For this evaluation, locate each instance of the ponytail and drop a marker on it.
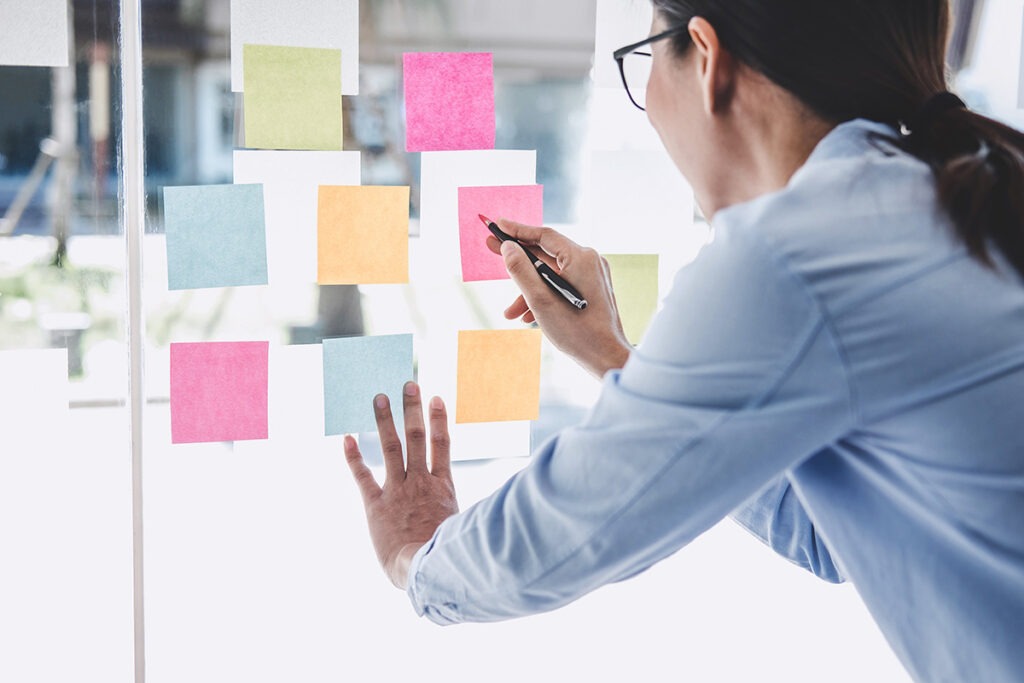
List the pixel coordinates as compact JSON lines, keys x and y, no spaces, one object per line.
{"x":979,"y":172}
{"x":884,"y":61}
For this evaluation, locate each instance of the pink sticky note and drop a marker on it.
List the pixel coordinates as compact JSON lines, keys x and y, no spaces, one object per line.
{"x":522,"y":203}
{"x":449,"y":101}
{"x":219,"y":391}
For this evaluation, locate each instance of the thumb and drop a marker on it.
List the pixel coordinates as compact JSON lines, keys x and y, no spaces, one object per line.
{"x":520,"y":267}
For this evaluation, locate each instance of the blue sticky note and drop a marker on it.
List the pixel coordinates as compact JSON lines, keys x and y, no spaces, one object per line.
{"x":216,"y":236}
{"x":358,"y":368}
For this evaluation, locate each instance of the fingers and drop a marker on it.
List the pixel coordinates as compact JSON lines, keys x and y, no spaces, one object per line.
{"x":415,"y":433}
{"x":551,"y":241}
{"x":368,"y":487}
{"x":525,"y":275}
{"x":440,"y":443}
{"x":494,"y":244}
{"x":390,"y":444}
{"x":517,"y":308}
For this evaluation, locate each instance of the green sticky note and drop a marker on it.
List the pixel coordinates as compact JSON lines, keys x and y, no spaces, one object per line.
{"x":635,"y":280}
{"x":292,"y":97}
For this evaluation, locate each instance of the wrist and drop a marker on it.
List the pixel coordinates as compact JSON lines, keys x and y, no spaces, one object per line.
{"x":612,"y":356}
{"x":398,"y":571}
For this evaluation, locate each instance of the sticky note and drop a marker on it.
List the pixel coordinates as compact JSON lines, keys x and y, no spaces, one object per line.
{"x":219,"y":391}
{"x":441,"y":176}
{"x":291,"y":182}
{"x":297,"y":23}
{"x":358,"y":368}
{"x":635,"y":281}
{"x":523,"y":203}
{"x":437,"y":372}
{"x":216,"y":236}
{"x":498,"y":375}
{"x":449,"y":101}
{"x":35,"y":33}
{"x":292,"y":99}
{"x":363,"y":235}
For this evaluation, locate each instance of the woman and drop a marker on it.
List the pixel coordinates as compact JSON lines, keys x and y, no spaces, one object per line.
{"x":842,"y":369}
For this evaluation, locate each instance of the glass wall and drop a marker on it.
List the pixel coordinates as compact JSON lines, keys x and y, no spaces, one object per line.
{"x":65,"y":494}
{"x":257,"y":563}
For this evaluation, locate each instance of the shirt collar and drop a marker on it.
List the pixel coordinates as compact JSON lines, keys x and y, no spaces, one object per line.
{"x":848,"y":139}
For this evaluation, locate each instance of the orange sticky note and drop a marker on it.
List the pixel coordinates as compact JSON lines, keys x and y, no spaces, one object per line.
{"x":498,"y":376}
{"x":362,"y":235}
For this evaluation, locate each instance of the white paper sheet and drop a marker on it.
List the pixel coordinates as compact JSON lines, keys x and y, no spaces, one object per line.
{"x":619,"y":23}
{"x":34,"y":33}
{"x":290,"y":181}
{"x":447,"y":303}
{"x":441,"y":176}
{"x":438,"y":375}
{"x":298,"y":23}
{"x":296,"y":392}
{"x":33,"y":392}
{"x":636,"y":202}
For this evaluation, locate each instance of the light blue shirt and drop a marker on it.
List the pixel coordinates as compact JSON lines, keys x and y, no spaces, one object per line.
{"x":836,"y":372}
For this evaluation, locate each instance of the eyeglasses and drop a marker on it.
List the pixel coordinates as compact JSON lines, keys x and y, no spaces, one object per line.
{"x":635,"y":65}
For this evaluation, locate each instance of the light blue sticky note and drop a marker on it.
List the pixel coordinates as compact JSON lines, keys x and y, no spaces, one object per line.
{"x":216,"y":236}
{"x":355,"y":370}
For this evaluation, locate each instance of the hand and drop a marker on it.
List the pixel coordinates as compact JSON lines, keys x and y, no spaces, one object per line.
{"x":594,"y":336}
{"x":405,"y":512}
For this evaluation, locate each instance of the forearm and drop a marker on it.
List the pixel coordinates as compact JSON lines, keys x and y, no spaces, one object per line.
{"x":599,"y":503}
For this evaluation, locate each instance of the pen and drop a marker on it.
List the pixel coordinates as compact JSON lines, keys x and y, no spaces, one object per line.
{"x":553,"y":279}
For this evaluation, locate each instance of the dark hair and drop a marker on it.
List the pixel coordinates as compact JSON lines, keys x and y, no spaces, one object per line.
{"x":882,"y":60}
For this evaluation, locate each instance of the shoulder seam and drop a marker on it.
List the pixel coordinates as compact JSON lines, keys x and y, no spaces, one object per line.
{"x":828,"y":323}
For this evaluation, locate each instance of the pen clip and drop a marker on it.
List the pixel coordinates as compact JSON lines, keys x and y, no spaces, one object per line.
{"x":579,"y":303}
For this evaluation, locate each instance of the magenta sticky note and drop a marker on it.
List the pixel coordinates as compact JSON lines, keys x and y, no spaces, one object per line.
{"x":520,"y":203}
{"x":219,"y":391}
{"x":449,"y":101}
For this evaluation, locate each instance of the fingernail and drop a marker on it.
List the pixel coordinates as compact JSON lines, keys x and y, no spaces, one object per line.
{"x":410,"y":388}
{"x":350,"y":442}
{"x":381,"y":401}
{"x":436,"y":403}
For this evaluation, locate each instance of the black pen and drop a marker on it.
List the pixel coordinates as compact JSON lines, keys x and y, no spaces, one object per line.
{"x":553,"y":279}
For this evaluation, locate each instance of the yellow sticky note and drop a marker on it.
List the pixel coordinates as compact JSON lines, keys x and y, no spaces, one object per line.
{"x":635,"y":281}
{"x":362,"y":235}
{"x":292,"y":97}
{"x":498,"y":376}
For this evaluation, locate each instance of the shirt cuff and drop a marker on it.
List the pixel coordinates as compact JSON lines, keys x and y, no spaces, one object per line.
{"x":445,"y":613}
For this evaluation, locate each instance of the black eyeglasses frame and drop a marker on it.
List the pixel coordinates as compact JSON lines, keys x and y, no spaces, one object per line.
{"x":621,"y":54}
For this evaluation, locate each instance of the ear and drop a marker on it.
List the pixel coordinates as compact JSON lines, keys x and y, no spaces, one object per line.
{"x":716,"y":68}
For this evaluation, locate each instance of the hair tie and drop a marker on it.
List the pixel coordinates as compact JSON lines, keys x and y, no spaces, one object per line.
{"x":937,"y":105}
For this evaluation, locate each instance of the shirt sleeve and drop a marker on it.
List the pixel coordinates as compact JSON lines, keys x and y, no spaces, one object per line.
{"x":777,"y":517}
{"x":737,"y":380}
